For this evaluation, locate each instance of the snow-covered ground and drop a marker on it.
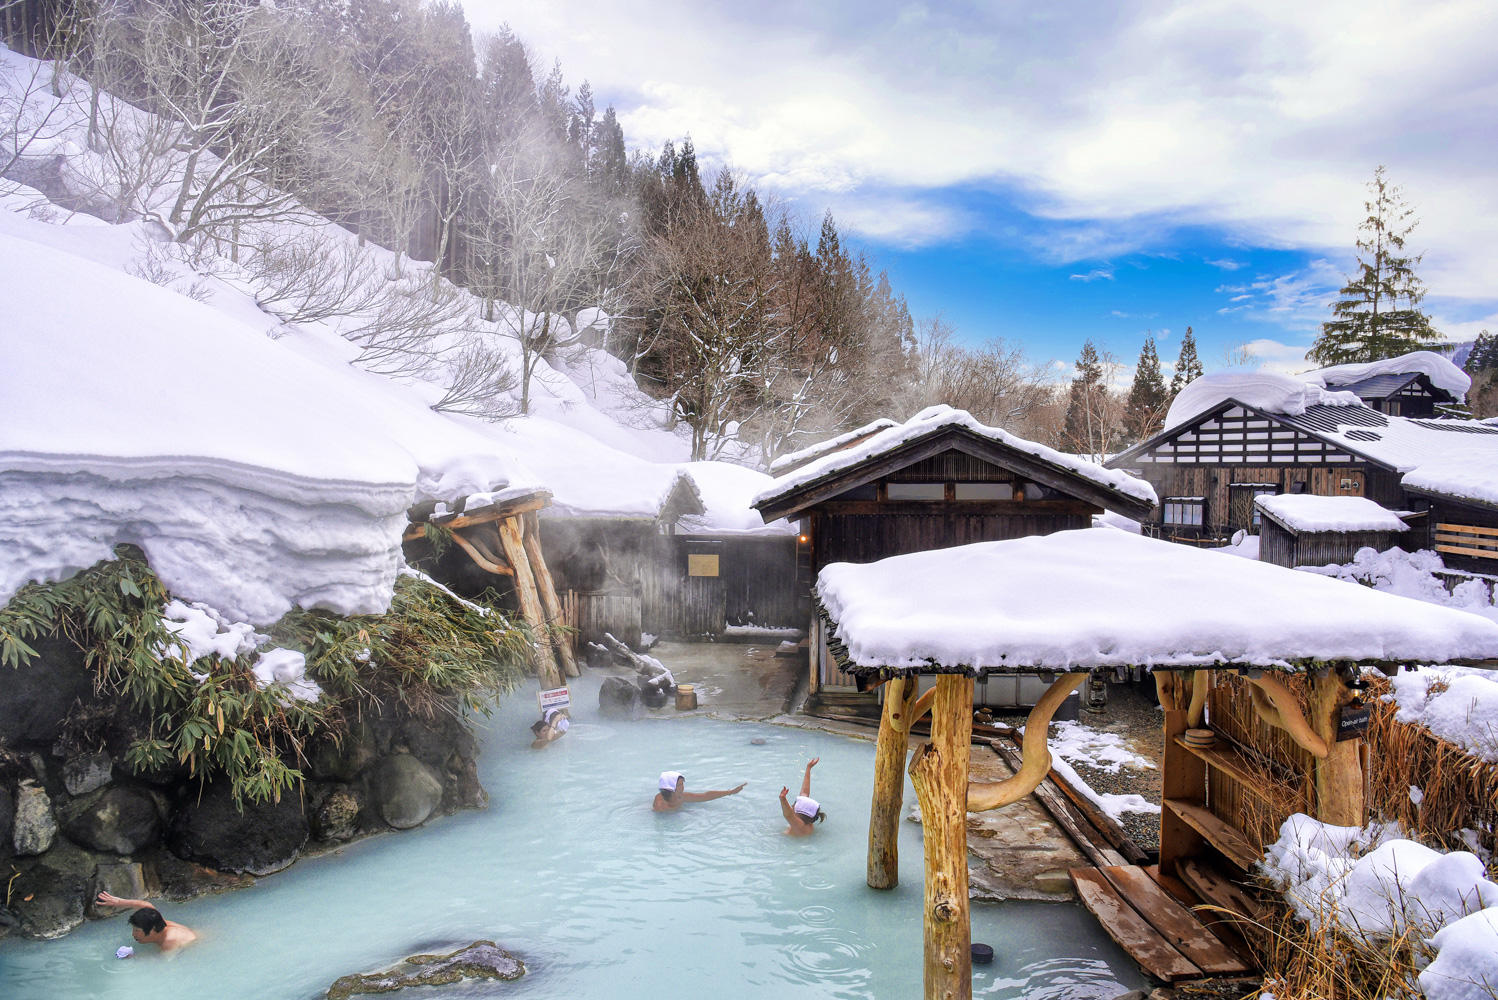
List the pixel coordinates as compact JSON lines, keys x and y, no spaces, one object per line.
{"x":1074,"y":743}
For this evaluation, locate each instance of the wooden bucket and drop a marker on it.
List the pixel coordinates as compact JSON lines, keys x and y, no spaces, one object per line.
{"x":686,"y":697}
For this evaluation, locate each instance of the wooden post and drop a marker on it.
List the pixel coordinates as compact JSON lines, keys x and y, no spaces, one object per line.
{"x":1338,"y":775}
{"x":549,"y":603}
{"x":939,"y":771}
{"x":530,"y":601}
{"x":889,"y":785}
{"x":1183,"y":775}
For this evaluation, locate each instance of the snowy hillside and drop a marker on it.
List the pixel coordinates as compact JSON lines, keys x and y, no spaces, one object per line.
{"x":260,"y":439}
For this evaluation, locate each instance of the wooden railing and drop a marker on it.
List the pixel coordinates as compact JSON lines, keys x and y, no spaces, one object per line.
{"x":1467,"y":540}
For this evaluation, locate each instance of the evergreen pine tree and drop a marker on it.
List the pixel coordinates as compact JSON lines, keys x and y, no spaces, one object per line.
{"x":1368,"y":322}
{"x":1079,"y":433}
{"x":1484,"y":354}
{"x":1188,"y":365}
{"x":1148,"y":397}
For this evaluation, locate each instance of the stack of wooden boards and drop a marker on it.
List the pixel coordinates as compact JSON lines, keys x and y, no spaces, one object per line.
{"x":1175,"y":928}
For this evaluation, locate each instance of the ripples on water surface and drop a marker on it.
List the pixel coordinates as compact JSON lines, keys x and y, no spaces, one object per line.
{"x":603,"y":899}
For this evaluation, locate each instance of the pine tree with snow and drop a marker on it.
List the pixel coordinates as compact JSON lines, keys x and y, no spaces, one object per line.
{"x":1378,"y":314}
{"x":1188,"y":365}
{"x":1148,"y":397}
{"x":1079,"y":433}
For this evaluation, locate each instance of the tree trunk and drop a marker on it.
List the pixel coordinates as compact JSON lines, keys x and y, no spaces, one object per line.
{"x":889,"y":787}
{"x":530,"y":602}
{"x":939,"y":772}
{"x":548,"y":589}
{"x":1339,"y":775}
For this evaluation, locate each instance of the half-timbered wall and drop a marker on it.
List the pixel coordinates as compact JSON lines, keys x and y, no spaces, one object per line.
{"x":1237,"y":436}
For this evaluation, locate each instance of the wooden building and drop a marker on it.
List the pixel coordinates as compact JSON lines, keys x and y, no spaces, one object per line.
{"x":1311,"y":530}
{"x":940,"y":480}
{"x":1459,"y":526}
{"x":1403,"y":394}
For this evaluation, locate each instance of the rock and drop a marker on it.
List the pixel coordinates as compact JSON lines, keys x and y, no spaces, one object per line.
{"x":617,"y":697}
{"x":179,"y":881}
{"x":121,"y":821}
{"x":48,"y":898}
{"x":480,"y":960}
{"x":337,"y":817}
{"x":259,"y":838}
{"x":342,"y":761}
{"x":652,"y":695}
{"x":82,"y":775}
{"x":126,"y":880}
{"x":7,"y":821}
{"x":404,"y":791}
{"x":35,"y":826}
{"x":37,"y":696}
{"x":1131,"y":995}
{"x":468,"y":793}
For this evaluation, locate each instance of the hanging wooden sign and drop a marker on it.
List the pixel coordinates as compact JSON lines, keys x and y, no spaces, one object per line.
{"x":1353,"y":722}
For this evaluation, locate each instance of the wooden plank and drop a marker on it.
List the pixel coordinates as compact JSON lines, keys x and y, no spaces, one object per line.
{"x":1467,"y":529}
{"x":1235,"y":766}
{"x":1075,"y":826}
{"x":1458,"y":550}
{"x":1173,"y":921}
{"x":1183,"y":776}
{"x":1214,"y":888}
{"x":1131,"y":931}
{"x":1232,"y":843}
{"x":1172,"y":885}
{"x":500,"y":511}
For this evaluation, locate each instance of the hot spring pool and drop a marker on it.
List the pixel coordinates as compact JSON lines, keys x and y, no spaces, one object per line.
{"x":602,"y":898}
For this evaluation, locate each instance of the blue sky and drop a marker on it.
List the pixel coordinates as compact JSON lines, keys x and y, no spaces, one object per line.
{"x":1190,"y":163}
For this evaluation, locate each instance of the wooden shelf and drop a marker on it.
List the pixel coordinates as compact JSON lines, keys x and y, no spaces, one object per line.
{"x":1238,"y":767}
{"x":1231,"y":842}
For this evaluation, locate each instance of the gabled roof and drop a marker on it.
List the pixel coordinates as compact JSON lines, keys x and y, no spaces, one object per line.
{"x":1309,"y":513}
{"x":789,"y":463}
{"x":938,"y":429}
{"x":1380,"y":386}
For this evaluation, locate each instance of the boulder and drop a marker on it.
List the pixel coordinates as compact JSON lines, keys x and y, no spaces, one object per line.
{"x":89,"y":773}
{"x":343,"y":760}
{"x":121,"y":821}
{"x":35,"y":827}
{"x":48,"y":898}
{"x":404,"y":791}
{"x":617,"y":697}
{"x":37,"y":696}
{"x":480,"y":960}
{"x":126,"y":880}
{"x":180,"y":881}
{"x":337,"y":818}
{"x":7,"y":821}
{"x":256,"y":838}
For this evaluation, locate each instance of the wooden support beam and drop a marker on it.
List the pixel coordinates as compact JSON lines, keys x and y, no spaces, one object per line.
{"x":1339,"y":771}
{"x":939,"y":770}
{"x":1183,"y":776}
{"x":1201,"y":684}
{"x":1037,"y":754}
{"x":548,"y":589}
{"x":1283,"y":712}
{"x":482,"y":558}
{"x":530,"y":602}
{"x":889,"y":786}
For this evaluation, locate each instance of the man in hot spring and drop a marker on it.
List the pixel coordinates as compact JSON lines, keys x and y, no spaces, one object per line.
{"x":148,"y":926}
{"x":674,"y":792}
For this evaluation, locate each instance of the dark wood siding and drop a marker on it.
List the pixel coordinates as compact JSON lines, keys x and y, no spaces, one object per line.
{"x":1320,"y":548}
{"x":1444,"y":511}
{"x":951,"y":465}
{"x":862,"y":538}
{"x":1215,"y":482}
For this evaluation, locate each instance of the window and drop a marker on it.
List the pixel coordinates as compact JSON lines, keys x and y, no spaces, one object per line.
{"x":1185,"y":512}
{"x":985,"y":491}
{"x":917,"y":491}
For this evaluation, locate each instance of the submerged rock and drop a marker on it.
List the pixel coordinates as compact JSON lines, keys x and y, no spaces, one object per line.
{"x":338,"y":816}
{"x":480,"y":960}
{"x":404,"y":791}
{"x":617,"y":697}
{"x":35,"y":826}
{"x":255,"y":837}
{"x":121,"y":821}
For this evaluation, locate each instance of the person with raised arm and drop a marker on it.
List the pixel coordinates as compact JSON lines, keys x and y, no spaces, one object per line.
{"x":673,"y":792}
{"x":148,"y":926}
{"x":802,"y":816}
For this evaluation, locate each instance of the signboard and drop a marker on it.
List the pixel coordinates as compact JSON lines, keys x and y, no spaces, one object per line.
{"x":702,"y":565}
{"x":1353,"y":722}
{"x":555,"y":698}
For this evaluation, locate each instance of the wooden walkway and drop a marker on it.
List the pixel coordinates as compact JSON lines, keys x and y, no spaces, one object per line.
{"x":1148,"y":915}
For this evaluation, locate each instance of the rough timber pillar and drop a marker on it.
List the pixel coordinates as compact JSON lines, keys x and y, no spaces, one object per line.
{"x":889,"y":784}
{"x":939,"y":772}
{"x":530,"y":602}
{"x":548,"y":591}
{"x":1339,"y":775}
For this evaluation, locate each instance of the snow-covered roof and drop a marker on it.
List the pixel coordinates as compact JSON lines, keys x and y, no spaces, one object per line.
{"x":1472,"y":476}
{"x":1441,"y":372}
{"x":1269,"y":391}
{"x":934,"y":420}
{"x":1097,"y":597}
{"x":796,"y":458}
{"x":726,"y":492}
{"x":1301,"y":512}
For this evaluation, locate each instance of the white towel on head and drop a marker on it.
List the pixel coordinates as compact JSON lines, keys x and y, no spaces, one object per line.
{"x":806,"y":806}
{"x":669,"y":779}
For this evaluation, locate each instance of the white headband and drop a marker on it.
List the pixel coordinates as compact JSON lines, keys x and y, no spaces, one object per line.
{"x":669,"y":779}
{"x":807,"y":807}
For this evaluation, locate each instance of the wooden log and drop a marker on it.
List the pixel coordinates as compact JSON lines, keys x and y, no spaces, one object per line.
{"x":555,"y":616}
{"x":939,"y":771}
{"x":1036,"y":751}
{"x":530,"y":603}
{"x":1339,"y":773}
{"x":889,"y":787}
{"x":482,"y":558}
{"x":1283,"y":712}
{"x":1201,"y":684}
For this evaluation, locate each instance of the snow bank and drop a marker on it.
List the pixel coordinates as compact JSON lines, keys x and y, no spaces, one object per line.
{"x":1108,"y":519}
{"x":1462,"y":710}
{"x":1466,"y":962}
{"x":831,"y":444}
{"x":934,"y":419}
{"x":1263,"y":390}
{"x":1410,"y":574}
{"x":1099,"y":597}
{"x":1470,"y":476}
{"x":1309,"y":512}
{"x":1074,"y":743}
{"x":1441,"y":372}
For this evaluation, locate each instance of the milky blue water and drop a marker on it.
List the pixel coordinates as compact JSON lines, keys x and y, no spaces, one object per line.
{"x":602,"y":898}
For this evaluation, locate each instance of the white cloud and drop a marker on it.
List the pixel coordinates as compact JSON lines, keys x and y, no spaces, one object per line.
{"x":1101,"y":273}
{"x":1116,"y":121}
{"x":1225,"y":264}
